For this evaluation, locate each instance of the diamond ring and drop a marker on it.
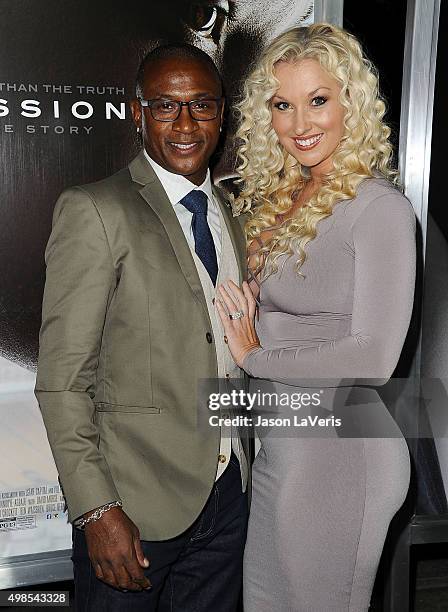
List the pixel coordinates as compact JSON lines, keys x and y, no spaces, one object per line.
{"x":239,"y":314}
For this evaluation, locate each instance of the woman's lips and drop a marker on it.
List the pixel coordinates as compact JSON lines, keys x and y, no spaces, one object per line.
{"x":306,"y":144}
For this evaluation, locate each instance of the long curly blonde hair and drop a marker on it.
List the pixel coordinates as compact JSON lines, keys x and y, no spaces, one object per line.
{"x":271,"y":178}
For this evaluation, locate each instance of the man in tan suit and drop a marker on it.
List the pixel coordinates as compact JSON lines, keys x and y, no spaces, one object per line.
{"x":129,"y":328}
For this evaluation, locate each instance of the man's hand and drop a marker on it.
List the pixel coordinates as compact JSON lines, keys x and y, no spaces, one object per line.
{"x":115,"y":551}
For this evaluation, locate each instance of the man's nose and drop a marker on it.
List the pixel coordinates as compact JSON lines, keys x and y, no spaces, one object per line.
{"x":185,"y":123}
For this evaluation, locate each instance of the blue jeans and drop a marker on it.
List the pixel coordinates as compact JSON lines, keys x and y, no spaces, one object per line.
{"x":198,"y":571}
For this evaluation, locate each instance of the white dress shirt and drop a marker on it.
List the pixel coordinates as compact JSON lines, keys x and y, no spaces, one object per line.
{"x":177,"y":187}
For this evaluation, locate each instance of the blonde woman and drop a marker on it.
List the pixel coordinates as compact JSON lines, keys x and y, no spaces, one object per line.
{"x":332,"y":256}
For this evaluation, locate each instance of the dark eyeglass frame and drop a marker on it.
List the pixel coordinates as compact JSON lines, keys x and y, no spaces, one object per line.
{"x":149,"y":103}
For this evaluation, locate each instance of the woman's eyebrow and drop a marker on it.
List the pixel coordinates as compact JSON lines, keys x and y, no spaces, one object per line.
{"x":277,"y":95}
{"x":317,"y":89}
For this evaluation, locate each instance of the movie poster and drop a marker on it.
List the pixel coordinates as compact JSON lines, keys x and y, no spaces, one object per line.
{"x":67,"y":72}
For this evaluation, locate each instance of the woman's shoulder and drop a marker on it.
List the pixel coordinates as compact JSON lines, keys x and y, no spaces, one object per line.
{"x":377,"y":187}
{"x":378,"y":203}
{"x":377,"y":196}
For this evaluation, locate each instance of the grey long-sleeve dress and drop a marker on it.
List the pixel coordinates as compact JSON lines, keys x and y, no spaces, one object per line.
{"x":321,"y":506}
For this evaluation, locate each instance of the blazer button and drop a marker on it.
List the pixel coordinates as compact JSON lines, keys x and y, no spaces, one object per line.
{"x":209,"y":337}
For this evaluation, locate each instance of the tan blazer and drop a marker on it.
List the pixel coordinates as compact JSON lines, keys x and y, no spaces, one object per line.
{"x":125,"y":337}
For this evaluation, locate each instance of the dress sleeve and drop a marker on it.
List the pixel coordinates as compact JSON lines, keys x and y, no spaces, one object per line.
{"x":384,"y":278}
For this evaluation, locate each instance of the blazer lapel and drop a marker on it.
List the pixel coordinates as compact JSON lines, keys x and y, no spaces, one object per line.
{"x":236,"y":233}
{"x":154,"y":195}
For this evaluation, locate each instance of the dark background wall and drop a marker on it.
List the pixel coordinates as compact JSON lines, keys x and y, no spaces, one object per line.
{"x":438,"y":199}
{"x":380,"y":26}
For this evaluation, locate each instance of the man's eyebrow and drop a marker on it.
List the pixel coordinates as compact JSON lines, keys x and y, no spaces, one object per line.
{"x":194,"y":96}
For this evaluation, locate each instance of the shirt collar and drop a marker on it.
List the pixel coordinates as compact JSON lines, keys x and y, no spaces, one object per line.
{"x":176,"y":185}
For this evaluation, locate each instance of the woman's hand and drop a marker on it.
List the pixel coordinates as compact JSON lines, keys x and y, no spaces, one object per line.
{"x":240,"y":333}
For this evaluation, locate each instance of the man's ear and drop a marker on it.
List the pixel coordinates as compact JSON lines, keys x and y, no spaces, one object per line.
{"x":136,"y":111}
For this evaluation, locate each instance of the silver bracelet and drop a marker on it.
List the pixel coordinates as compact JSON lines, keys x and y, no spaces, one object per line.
{"x":96,"y":514}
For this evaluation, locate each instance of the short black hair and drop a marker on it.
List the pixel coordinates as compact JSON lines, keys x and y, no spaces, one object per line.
{"x":183,"y":51}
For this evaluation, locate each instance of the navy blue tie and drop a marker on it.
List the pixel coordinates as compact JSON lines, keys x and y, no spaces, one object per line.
{"x":196,"y":203}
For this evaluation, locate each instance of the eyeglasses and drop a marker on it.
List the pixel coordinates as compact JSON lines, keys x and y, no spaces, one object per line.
{"x":169,"y":110}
